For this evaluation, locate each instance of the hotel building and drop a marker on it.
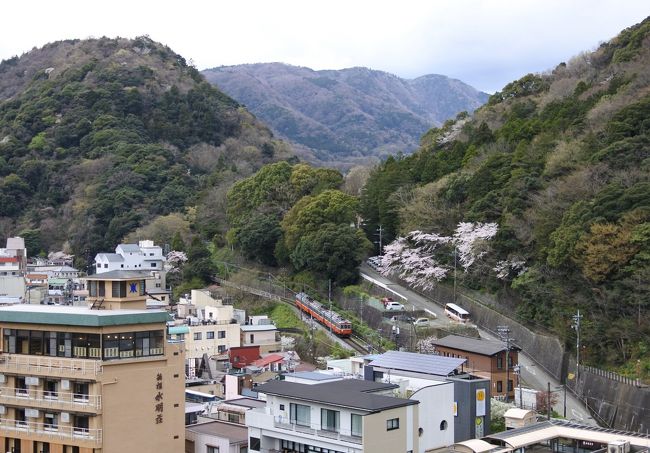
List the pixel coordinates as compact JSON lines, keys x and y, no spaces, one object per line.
{"x":101,"y":379}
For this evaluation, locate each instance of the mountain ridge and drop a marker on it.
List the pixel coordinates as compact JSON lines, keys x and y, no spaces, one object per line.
{"x":350,"y":114}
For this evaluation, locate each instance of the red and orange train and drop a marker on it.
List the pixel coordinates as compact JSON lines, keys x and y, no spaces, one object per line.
{"x":339,"y":325}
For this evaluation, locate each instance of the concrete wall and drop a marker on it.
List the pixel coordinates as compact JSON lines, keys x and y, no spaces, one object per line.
{"x":614,"y":403}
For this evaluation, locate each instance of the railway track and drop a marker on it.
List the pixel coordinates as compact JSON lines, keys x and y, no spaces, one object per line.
{"x":357,"y":344}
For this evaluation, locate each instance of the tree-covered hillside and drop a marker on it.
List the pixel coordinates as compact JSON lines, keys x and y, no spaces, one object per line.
{"x":561,"y":162}
{"x":344,"y":117}
{"x":101,"y":137}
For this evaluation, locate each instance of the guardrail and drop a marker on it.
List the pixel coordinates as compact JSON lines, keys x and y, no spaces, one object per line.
{"x":49,"y":365}
{"x":48,"y":399}
{"x":57,"y":432}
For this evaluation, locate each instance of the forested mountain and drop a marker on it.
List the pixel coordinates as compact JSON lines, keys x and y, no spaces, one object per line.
{"x":101,"y":137}
{"x":345,"y":116}
{"x":561,"y":162}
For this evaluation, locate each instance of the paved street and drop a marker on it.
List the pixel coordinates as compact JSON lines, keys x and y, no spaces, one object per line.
{"x":533,"y":375}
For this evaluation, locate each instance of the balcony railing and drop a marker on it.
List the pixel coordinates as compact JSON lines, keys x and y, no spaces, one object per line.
{"x":44,"y":398}
{"x":33,"y":429}
{"x":50,"y":365}
{"x":260,"y":419}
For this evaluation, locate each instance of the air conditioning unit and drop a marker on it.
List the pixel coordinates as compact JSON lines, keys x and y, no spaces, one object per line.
{"x":3,"y":410}
{"x":3,"y":379}
{"x":618,"y":446}
{"x":65,"y":417}
{"x":30,"y":380}
{"x":65,"y":384}
{"x":31,"y":413}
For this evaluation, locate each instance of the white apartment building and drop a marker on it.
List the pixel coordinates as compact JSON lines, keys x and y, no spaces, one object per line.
{"x":143,"y":256}
{"x":349,"y":415}
{"x":13,"y":262}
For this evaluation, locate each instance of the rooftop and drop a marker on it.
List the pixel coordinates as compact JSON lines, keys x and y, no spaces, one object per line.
{"x":120,"y":275}
{"x":418,"y":363}
{"x":350,"y":393}
{"x":129,"y":248}
{"x":257,"y":327}
{"x":542,"y":431}
{"x":478,"y":346}
{"x":246,"y":402}
{"x":78,"y":316}
{"x":233,"y":432}
{"x":314,"y":376}
{"x":267,"y":360}
{"x":110,"y":257}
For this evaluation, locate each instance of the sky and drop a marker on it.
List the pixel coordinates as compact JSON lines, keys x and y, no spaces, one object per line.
{"x":486,"y":43}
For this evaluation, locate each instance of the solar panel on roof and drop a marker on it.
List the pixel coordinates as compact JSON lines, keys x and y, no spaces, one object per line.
{"x":419,"y":363}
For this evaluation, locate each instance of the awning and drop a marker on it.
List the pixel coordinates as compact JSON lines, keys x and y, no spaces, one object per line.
{"x":176,"y":330}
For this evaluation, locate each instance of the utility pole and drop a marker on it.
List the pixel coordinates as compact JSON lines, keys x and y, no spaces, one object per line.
{"x":455,"y":262}
{"x":548,"y":402}
{"x":504,"y":334}
{"x":329,"y":299}
{"x":380,"y":230}
{"x":576,"y":325}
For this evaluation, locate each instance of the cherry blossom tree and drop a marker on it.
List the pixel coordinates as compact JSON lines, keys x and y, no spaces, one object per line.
{"x":414,"y":257}
{"x":175,"y":260}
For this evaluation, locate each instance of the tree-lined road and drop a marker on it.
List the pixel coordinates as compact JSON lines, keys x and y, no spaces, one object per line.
{"x":532,"y":374}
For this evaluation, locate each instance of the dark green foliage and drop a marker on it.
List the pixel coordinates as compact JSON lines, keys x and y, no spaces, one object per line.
{"x":257,"y":238}
{"x":108,"y":135}
{"x":568,"y":186}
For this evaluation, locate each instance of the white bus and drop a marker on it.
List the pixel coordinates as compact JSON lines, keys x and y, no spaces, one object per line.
{"x":457,"y":313}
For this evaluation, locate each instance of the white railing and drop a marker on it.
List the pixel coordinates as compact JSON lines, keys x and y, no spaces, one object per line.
{"x":50,"y":365}
{"x":50,"y":399}
{"x":259,"y":419}
{"x":12,"y":426}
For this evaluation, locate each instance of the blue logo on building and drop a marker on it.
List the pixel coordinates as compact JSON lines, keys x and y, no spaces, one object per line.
{"x":134,"y":287}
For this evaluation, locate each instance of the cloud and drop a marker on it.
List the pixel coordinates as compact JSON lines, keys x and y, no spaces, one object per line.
{"x":486,"y":43}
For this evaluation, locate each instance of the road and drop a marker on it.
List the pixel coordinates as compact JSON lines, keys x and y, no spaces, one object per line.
{"x":532,"y":375}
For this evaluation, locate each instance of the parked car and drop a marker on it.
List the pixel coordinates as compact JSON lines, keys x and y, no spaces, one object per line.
{"x":422,"y":322}
{"x":394,"y":306}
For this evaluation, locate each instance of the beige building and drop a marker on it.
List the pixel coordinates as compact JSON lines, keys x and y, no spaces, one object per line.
{"x":211,"y":328}
{"x":266,"y":336}
{"x":83,"y":380}
{"x":350,"y":416}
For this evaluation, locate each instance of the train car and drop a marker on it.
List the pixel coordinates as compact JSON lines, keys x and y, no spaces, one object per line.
{"x":330,"y":319}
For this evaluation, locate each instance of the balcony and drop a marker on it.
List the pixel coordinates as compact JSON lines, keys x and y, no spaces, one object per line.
{"x":50,"y":400}
{"x":259,"y":419}
{"x":49,"y":366}
{"x":45,"y":432}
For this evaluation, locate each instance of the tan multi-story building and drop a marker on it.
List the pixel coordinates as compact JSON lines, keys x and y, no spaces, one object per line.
{"x":89,"y":380}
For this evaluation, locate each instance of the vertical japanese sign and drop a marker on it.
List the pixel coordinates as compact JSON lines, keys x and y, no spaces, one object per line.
{"x":480,"y":402}
{"x":158,"y":405}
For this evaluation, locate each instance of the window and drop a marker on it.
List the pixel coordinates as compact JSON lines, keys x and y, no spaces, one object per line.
{"x":499,"y":386}
{"x":50,"y":392}
{"x":221,"y":348}
{"x":209,"y":335}
{"x":357,"y":425}
{"x":499,"y":362}
{"x":197,"y":335}
{"x":510,"y":385}
{"x":106,"y":265}
{"x":153,"y":264}
{"x":80,"y":425}
{"x":254,"y":444}
{"x":119,"y":289}
{"x":392,"y":424}
{"x":233,"y":418}
{"x":222,"y":334}
{"x":281,"y":407}
{"x":51,"y":422}
{"x":20,"y":417}
{"x":80,"y":390}
{"x":509,"y":361}
{"x":212,"y":449}
{"x":300,"y":414}
{"x":329,"y":420}
{"x":443,"y":425}
{"x":21,"y":387}
{"x":252,"y":337}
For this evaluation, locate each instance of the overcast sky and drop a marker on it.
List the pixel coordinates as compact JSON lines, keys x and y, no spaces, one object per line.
{"x":486,"y":43}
